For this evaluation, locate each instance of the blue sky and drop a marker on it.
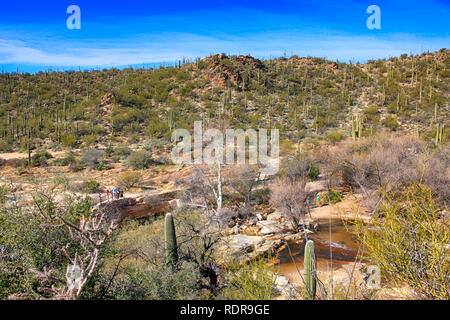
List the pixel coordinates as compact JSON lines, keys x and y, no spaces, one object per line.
{"x":34,"y":35}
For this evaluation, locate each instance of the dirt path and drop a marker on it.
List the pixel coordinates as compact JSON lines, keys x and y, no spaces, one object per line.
{"x":24,"y":155}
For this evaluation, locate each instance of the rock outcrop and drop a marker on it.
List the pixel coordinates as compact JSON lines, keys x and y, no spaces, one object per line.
{"x":131,"y":208}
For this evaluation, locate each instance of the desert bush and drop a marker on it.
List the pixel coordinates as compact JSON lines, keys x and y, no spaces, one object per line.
{"x":122,"y":151}
{"x":92,"y":186}
{"x":62,"y":162}
{"x":92,"y":157}
{"x":254,"y":280}
{"x":76,"y":166}
{"x":262,"y":195}
{"x":40,"y":158}
{"x":332,"y":196}
{"x":243,"y":179}
{"x":35,"y":241}
{"x":300,"y":166}
{"x":5,"y":146}
{"x":139,"y":160}
{"x":314,"y":172}
{"x":88,"y":140}
{"x":154,"y":144}
{"x":388,"y":159}
{"x":390,"y":122}
{"x":334,"y":137}
{"x":289,"y":196}
{"x":408,"y":240}
{"x":133,"y":138}
{"x":128,"y":179}
{"x":61,"y":180}
{"x":159,"y":282}
{"x":371,"y":114}
{"x":102,"y":165}
{"x":4,"y":191}
{"x":68,"y":140}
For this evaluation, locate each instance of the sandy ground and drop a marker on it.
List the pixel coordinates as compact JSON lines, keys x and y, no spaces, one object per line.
{"x":348,"y":208}
{"x":24,"y":155}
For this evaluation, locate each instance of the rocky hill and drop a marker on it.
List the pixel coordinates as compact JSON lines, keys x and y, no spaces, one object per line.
{"x":303,"y":97}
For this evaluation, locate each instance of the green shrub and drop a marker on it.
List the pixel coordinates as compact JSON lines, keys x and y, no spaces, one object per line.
{"x":109,"y":151}
{"x":40,"y":159}
{"x":262,"y":195}
{"x":5,"y":146}
{"x":4,"y":190}
{"x":334,"y":137}
{"x":333,"y":196}
{"x":122,"y":151}
{"x":390,"y":122}
{"x":61,"y":180}
{"x":62,"y":162}
{"x":128,"y":179}
{"x":76,"y":166}
{"x":139,"y":160}
{"x":68,"y":140}
{"x":408,"y":240}
{"x":151,"y":144}
{"x":314,"y":172}
{"x":252,"y":281}
{"x":102,"y":165}
{"x":88,"y":140}
{"x":133,"y":138}
{"x":92,"y":186}
{"x":33,"y":238}
{"x":159,"y":282}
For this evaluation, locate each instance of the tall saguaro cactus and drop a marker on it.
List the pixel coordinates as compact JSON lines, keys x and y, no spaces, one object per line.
{"x":440,"y":133}
{"x":171,"y":241}
{"x":356,"y":127}
{"x":310,"y":268}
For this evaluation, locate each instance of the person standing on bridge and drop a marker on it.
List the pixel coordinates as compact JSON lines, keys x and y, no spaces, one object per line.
{"x":116,"y":193}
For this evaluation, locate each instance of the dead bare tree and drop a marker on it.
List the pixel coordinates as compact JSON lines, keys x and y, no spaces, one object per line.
{"x":243,"y":179}
{"x":204,"y":189}
{"x":289,"y":196}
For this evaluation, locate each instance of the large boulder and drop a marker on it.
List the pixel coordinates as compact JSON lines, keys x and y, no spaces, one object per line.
{"x":243,"y":244}
{"x":316,"y":186}
{"x":271,"y":226}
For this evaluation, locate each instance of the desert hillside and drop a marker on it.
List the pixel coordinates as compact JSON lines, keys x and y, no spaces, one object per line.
{"x":362,"y":182}
{"x":307,"y":97}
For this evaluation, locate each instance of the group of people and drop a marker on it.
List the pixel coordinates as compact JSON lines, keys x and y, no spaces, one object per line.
{"x":114,"y":194}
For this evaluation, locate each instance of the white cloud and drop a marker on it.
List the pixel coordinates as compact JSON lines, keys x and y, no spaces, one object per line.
{"x":174,"y":46}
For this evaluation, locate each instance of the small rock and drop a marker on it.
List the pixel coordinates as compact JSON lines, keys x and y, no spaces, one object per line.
{"x":250,"y":231}
{"x":274,"y":216}
{"x":235,"y":230}
{"x":253,"y":220}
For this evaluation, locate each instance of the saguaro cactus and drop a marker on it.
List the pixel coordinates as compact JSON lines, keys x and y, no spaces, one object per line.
{"x":29,"y":153}
{"x":171,"y":241}
{"x":310,"y":270}
{"x":356,"y":127}
{"x":440,"y":133}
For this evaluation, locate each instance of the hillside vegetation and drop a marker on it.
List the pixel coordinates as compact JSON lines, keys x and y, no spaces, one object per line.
{"x":363,"y":146}
{"x":303,"y":97}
